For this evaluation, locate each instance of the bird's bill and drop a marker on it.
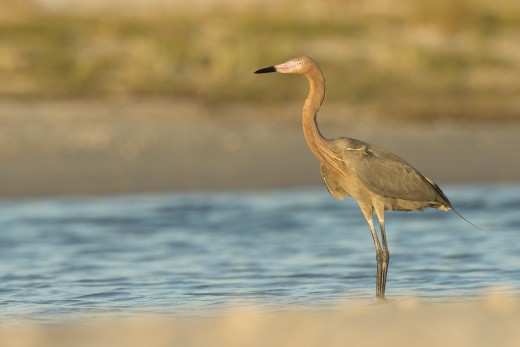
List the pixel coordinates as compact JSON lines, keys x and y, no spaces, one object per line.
{"x":287,"y":67}
{"x":266,"y":69}
{"x":282,"y":68}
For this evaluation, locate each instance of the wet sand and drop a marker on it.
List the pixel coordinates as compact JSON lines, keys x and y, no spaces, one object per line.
{"x":87,"y":147}
{"x":489,"y":321}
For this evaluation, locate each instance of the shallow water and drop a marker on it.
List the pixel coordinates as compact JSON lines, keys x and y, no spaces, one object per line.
{"x":195,"y":253}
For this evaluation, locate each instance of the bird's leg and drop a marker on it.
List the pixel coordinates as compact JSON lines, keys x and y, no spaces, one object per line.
{"x":380,"y":285}
{"x":385,"y":261}
{"x":381,"y":266}
{"x":385,"y":257}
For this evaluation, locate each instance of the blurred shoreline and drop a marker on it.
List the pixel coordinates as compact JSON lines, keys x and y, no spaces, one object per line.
{"x":92,"y":147}
{"x":108,"y":97}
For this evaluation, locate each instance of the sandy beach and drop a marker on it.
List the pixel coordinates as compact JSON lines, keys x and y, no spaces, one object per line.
{"x":163,"y":145}
{"x":489,"y":321}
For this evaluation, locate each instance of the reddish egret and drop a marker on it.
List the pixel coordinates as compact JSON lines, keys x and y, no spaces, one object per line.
{"x":377,"y":179}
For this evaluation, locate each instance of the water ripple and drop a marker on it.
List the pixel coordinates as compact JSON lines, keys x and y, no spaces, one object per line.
{"x":188,"y":253}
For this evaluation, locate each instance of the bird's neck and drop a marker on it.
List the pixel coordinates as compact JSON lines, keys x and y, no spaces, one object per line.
{"x":318,"y":144}
{"x":315,"y":140}
{"x":311,"y":107}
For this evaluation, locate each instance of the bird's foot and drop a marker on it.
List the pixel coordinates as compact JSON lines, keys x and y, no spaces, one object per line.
{"x":383,"y":259}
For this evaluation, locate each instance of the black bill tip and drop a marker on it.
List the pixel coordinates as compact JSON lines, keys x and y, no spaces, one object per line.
{"x":266,"y":70}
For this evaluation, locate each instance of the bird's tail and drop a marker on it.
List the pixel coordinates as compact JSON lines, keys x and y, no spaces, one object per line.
{"x":446,"y":204}
{"x":461,"y":216}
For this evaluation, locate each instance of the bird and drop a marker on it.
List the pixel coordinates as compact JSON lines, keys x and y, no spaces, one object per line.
{"x":379,"y":180}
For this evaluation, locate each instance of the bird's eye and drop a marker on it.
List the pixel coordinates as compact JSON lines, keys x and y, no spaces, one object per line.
{"x":300,"y":63}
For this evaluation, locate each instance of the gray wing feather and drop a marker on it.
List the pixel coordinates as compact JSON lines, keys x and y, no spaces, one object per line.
{"x":332,"y":185}
{"x":388,"y":175}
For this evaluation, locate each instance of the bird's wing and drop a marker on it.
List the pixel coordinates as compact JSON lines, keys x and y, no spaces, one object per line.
{"x":388,"y":175}
{"x":332,"y":185}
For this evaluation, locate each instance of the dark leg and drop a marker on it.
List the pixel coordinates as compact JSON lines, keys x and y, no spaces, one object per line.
{"x":381,"y":267}
{"x":385,"y":255}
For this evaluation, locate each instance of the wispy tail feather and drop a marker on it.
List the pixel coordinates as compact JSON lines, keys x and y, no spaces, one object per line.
{"x":448,"y":204}
{"x":461,"y":216}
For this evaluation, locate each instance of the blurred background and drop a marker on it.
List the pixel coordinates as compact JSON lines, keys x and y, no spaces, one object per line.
{"x":137,"y":96}
{"x":144,"y":167}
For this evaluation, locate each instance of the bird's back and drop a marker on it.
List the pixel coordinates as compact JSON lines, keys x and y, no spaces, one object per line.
{"x":377,"y":174}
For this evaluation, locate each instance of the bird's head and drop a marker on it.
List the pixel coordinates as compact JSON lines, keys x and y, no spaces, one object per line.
{"x":300,"y":66}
